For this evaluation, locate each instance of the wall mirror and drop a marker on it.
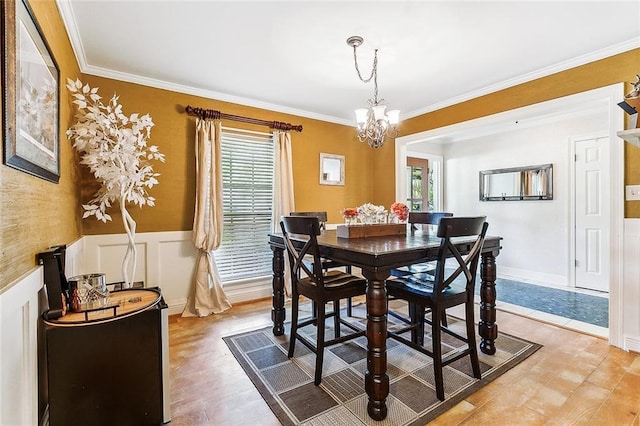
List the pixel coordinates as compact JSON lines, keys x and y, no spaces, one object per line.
{"x":331,"y":169}
{"x":517,"y":183}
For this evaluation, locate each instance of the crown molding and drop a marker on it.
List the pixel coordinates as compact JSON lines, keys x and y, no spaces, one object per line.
{"x":524,"y":78}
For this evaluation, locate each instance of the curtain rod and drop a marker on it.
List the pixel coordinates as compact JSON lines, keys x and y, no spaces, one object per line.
{"x":217,"y":115}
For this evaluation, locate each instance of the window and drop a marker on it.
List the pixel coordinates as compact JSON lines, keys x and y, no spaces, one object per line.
{"x":247,"y":185}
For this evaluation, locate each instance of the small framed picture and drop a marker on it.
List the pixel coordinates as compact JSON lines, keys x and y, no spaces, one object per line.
{"x":31,"y":97}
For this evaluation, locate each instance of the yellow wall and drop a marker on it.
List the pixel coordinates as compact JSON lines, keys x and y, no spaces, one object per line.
{"x":173,"y":133}
{"x":615,"y":69}
{"x":34,"y":213}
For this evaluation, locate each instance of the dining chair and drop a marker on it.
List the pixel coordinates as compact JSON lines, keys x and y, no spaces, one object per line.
{"x":318,"y":285}
{"x":420,"y":218}
{"x":327,"y":263}
{"x":449,"y":287}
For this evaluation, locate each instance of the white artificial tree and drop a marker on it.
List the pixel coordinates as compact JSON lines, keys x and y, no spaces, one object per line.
{"x":114,"y":147}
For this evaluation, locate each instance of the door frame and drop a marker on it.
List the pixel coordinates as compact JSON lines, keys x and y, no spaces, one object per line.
{"x":603,"y":99}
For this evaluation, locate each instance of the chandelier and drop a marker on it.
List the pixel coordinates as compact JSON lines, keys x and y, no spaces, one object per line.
{"x":374,"y":123}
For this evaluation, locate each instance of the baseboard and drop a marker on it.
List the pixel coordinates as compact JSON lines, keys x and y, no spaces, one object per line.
{"x":531,"y":277}
{"x":632,"y":344}
{"x":249,"y":290}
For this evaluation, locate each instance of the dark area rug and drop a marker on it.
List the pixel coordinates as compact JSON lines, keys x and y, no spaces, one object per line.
{"x":287,"y":384}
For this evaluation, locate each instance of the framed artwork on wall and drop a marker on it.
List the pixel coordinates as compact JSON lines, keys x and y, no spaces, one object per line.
{"x":31,"y":97}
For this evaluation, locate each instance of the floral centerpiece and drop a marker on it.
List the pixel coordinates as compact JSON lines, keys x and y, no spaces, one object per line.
{"x":400,"y":211}
{"x":350,"y":215}
{"x":370,"y":213}
{"x":114,"y":148}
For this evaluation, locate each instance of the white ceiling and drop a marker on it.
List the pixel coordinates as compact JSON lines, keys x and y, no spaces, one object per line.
{"x":292,"y":56}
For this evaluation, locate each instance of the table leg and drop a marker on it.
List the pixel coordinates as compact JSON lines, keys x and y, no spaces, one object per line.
{"x":376,"y":381}
{"x":278,"y":312}
{"x":487,"y":327}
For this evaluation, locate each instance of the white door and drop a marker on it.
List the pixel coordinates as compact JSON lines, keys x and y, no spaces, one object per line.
{"x":592,"y":219}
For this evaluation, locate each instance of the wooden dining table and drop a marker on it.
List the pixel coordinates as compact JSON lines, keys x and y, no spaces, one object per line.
{"x":376,"y":256}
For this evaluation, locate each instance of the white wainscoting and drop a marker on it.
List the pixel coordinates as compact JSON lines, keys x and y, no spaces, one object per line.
{"x":631,"y":286}
{"x":18,"y":364}
{"x":19,"y":314}
{"x":165,"y":260}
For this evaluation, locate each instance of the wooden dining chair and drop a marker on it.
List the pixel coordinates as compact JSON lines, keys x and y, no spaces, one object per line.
{"x":427,"y":268}
{"x":327,"y":263}
{"x":319,"y":285}
{"x":450,"y":287}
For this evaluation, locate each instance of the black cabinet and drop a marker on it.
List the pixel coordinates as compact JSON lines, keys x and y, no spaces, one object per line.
{"x":110,"y":367}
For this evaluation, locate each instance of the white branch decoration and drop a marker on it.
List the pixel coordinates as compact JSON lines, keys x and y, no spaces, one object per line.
{"x":114,"y":147}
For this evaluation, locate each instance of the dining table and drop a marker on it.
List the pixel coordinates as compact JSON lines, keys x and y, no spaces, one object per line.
{"x":376,"y":257}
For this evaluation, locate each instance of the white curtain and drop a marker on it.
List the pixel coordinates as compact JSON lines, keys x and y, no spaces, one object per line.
{"x":283,"y":196}
{"x":207,"y":296}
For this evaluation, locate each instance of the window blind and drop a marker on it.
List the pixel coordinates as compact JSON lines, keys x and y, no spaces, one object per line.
{"x":247,"y":185}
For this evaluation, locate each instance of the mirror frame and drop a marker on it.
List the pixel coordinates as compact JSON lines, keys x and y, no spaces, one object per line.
{"x":548,"y":195}
{"x":330,"y":166}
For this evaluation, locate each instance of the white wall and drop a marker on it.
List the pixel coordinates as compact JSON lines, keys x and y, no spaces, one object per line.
{"x":631,"y":278}
{"x":536,"y":234}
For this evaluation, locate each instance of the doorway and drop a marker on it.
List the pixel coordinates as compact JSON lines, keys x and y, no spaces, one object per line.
{"x":601,"y":101}
{"x":423,"y":182}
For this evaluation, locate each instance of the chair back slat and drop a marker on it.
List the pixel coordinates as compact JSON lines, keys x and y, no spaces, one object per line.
{"x":309,"y":227}
{"x":426,"y":218}
{"x":466,"y":265}
{"x":322,"y":217}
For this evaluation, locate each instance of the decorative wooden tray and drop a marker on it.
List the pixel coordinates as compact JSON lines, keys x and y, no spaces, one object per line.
{"x":374,"y":230}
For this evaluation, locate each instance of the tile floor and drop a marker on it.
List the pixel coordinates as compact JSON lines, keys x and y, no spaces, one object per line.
{"x":581,"y":310}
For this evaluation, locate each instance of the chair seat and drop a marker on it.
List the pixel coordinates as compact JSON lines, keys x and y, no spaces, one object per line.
{"x":421,"y":285}
{"x":418,"y":268}
{"x":336,"y":280}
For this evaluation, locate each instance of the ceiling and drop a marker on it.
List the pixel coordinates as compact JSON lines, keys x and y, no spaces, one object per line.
{"x":292,"y":56}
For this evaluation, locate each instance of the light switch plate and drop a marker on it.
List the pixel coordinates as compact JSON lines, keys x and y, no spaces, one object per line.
{"x":632,"y":192}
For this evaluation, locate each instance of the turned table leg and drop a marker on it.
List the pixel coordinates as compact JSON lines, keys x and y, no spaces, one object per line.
{"x":376,"y":381}
{"x":487,"y":327}
{"x":278,"y":312}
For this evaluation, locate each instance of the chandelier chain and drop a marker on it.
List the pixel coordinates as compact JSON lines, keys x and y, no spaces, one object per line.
{"x":374,"y":73}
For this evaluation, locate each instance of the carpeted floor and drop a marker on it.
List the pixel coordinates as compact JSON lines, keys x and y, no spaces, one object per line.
{"x":287,"y":384}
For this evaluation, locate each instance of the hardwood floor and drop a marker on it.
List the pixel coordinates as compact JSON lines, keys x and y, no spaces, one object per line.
{"x":574,"y":379}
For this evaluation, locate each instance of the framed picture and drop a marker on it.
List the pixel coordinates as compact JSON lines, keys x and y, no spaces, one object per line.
{"x":331,"y":169}
{"x":31,"y":98}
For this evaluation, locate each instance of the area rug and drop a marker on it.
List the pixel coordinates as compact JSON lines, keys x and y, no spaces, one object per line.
{"x":287,"y":384}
